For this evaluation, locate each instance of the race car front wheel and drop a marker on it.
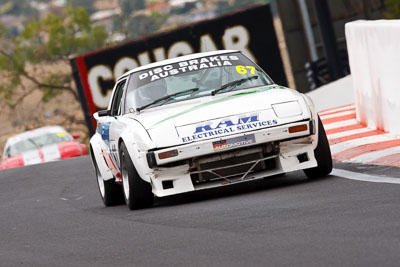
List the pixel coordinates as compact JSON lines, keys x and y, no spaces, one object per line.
{"x":110,"y":191}
{"x":322,"y":154}
{"x":136,"y":191}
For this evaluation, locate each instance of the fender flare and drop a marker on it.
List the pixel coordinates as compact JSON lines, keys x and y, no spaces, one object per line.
{"x":137,"y":155}
{"x":314,"y":118}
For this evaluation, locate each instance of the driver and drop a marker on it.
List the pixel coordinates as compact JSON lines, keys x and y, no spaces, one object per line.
{"x":152,"y":91}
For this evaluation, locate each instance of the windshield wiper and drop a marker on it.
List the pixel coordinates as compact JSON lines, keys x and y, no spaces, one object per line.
{"x":167,"y":97}
{"x":233,"y":83}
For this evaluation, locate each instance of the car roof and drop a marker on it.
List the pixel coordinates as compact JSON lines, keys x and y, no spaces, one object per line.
{"x":177,"y":59}
{"x":35,"y":132}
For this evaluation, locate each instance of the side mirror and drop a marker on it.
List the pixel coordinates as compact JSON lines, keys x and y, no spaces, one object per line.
{"x":75,"y":136}
{"x":103,"y":113}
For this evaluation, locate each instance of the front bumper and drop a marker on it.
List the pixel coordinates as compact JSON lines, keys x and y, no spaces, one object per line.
{"x":200,"y":166}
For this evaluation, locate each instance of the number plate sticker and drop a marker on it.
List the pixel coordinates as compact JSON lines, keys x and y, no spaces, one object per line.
{"x":234,"y":142}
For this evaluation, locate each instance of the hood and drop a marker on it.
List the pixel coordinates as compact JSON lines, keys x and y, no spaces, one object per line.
{"x":217,"y":116}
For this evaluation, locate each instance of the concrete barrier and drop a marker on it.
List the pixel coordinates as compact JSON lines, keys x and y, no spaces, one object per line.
{"x":374,"y":55}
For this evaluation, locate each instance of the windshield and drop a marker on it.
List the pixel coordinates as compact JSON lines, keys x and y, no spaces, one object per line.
{"x":194,"y":78}
{"x":36,"y":141}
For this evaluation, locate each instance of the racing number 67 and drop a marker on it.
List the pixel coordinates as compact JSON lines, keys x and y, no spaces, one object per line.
{"x":243,"y":69}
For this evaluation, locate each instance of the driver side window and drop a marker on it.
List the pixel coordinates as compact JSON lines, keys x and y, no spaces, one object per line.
{"x":116,"y":103}
{"x":7,"y":153}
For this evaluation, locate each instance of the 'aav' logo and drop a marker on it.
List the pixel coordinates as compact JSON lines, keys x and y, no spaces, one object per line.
{"x":227,"y":122}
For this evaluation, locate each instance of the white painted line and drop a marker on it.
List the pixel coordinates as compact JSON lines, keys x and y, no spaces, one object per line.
{"x":364,"y":177}
{"x":347,"y":133}
{"x":340,"y":124}
{"x":359,"y":142}
{"x":376,"y":155}
{"x":323,"y":117}
{"x":336,"y":109}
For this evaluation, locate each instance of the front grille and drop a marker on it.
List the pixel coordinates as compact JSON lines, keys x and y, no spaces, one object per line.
{"x":234,"y":164}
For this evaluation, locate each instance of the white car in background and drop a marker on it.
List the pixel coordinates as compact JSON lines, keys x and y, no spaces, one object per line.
{"x":201,"y":121}
{"x":40,"y":145}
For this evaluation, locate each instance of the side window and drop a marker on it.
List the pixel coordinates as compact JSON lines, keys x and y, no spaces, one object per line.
{"x":116,"y":103}
{"x":7,"y":153}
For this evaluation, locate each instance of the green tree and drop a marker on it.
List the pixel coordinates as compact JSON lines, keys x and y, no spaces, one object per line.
{"x":245,"y":3}
{"x":128,"y":6}
{"x":87,"y":4}
{"x":393,"y":9}
{"x":123,"y":23}
{"x":17,"y":8}
{"x":50,"y":40}
{"x":37,"y":60}
{"x":144,"y":24}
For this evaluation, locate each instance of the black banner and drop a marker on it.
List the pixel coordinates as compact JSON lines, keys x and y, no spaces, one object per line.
{"x":249,"y":30}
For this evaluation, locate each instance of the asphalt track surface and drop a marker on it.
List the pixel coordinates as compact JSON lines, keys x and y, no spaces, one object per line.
{"x":52,"y":215}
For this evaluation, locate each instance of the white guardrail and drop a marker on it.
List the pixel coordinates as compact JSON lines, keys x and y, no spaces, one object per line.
{"x":374,"y":55}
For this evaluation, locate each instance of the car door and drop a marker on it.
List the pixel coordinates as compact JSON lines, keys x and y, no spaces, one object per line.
{"x":106,"y":128}
{"x":116,"y":127}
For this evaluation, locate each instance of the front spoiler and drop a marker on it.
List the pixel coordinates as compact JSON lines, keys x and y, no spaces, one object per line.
{"x":287,"y":160}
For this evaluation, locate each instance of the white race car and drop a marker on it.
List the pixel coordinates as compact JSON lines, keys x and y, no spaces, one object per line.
{"x":41,"y":145}
{"x":201,"y":121}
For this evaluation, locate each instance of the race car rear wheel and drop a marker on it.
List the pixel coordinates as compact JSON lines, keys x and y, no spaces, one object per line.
{"x":137,"y":192}
{"x":322,"y":154}
{"x":110,"y":191}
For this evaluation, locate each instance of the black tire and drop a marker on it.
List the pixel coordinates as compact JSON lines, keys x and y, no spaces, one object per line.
{"x":137,"y":193}
{"x":110,"y":192}
{"x":322,"y":154}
